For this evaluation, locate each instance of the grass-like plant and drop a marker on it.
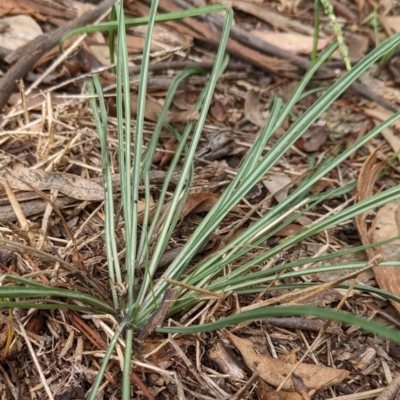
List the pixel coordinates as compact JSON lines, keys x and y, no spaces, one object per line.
{"x":136,"y":307}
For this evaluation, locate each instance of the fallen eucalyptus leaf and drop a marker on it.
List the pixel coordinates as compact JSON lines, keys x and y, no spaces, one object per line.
{"x":71,"y":185}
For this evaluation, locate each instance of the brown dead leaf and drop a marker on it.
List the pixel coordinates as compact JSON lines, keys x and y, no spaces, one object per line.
{"x":278,"y":184}
{"x":300,"y":387}
{"x":71,"y":185}
{"x":252,"y":109}
{"x":357,"y":46}
{"x":192,"y":95}
{"x":163,"y":157}
{"x":288,"y":230}
{"x":17,"y":31}
{"x":293,"y":42}
{"x":366,"y":182}
{"x":312,"y":140}
{"x":154,"y":109}
{"x":102,"y":53}
{"x":290,"y":395}
{"x":391,"y":24}
{"x":314,"y":377}
{"x":266,"y":392}
{"x":217,"y":111}
{"x":195,"y":203}
{"x":199,"y":202}
{"x":365,"y":186}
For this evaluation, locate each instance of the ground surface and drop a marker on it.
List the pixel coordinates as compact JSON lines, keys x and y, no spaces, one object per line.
{"x":53,"y":131}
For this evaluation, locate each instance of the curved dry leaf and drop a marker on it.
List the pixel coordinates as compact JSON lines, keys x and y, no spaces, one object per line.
{"x":278,"y":184}
{"x":366,"y":181}
{"x":71,"y":185}
{"x":164,"y":157}
{"x":390,"y":23}
{"x":386,"y":225}
{"x":199,"y":202}
{"x":312,"y":140}
{"x":266,"y":392}
{"x":217,"y":111}
{"x":102,"y":53}
{"x":288,"y":230}
{"x":314,"y":377}
{"x":252,"y":109}
{"x":195,"y":203}
{"x":357,"y":46}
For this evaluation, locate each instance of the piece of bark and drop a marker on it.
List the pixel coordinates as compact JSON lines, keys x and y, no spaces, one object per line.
{"x":31,"y":207}
{"x":227,"y":361}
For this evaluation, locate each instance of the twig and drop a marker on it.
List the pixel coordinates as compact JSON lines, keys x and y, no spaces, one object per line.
{"x":146,"y":392}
